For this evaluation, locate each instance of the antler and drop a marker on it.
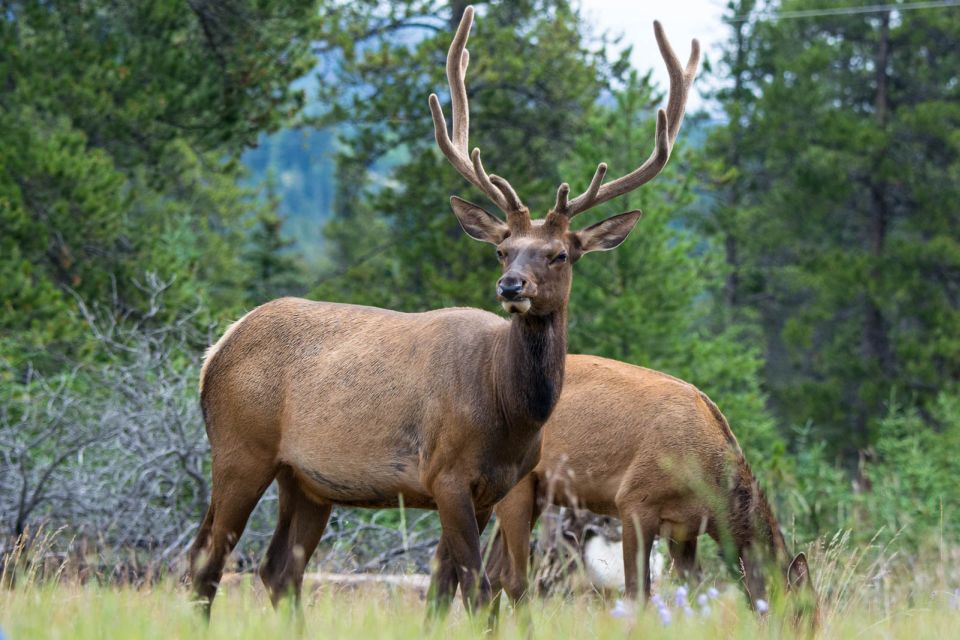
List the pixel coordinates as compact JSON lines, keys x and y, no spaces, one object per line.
{"x":668,"y":125}
{"x":468,"y":165}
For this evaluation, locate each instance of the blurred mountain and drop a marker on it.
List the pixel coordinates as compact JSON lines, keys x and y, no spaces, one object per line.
{"x":300,"y":163}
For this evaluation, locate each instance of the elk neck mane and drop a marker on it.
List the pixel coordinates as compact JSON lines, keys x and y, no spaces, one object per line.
{"x":749,"y":500}
{"x":528,"y":367}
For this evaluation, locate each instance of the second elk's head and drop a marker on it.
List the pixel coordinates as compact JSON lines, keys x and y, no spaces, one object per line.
{"x":536,"y":256}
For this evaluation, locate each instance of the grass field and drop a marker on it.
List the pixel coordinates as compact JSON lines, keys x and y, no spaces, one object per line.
{"x":866,"y":592}
{"x":164,"y":612}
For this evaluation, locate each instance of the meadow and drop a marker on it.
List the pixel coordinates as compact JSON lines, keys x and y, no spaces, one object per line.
{"x":866,"y":592}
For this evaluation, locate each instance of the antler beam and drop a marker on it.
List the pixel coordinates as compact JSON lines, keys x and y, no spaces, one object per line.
{"x":668,"y":125}
{"x":456,"y":148}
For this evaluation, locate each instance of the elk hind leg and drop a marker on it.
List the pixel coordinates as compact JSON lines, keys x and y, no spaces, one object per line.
{"x":238,"y":485}
{"x":684,"y":556}
{"x":300,"y":525}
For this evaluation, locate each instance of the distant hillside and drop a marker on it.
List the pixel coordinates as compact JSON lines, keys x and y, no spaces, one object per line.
{"x":301,"y":164}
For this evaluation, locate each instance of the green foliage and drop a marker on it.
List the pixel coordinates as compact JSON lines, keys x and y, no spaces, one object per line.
{"x":914,"y":483}
{"x":839,"y":208}
{"x":275,"y":270}
{"x":120,"y":128}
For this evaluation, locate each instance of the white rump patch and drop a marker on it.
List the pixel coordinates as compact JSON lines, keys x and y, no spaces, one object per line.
{"x":212,"y":349}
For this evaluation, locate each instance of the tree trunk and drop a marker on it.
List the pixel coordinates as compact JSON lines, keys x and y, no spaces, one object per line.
{"x":876,"y":342}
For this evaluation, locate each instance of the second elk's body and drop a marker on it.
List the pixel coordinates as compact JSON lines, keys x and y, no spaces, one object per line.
{"x":656,"y":452}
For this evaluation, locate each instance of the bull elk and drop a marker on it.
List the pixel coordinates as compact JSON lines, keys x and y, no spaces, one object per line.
{"x":357,"y":406}
{"x":656,"y":452}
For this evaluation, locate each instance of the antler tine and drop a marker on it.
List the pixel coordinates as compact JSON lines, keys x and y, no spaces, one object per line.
{"x":668,"y":126}
{"x":456,"y":149}
{"x":563,"y":195}
{"x":457,"y":159}
{"x":457,"y":61}
{"x":486,"y":183}
{"x":679,"y":76}
{"x":508,"y":192}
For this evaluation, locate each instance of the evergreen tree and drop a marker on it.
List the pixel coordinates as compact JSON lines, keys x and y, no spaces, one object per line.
{"x":275,"y":271}
{"x":120,"y":129}
{"x":847,"y":197}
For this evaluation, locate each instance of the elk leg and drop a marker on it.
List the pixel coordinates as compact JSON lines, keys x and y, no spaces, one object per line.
{"x":752,"y":567}
{"x":461,"y":538}
{"x":300,"y":525}
{"x":444,"y":581}
{"x":637,"y":539}
{"x":684,"y":556}
{"x":740,"y":557}
{"x":237,"y":487}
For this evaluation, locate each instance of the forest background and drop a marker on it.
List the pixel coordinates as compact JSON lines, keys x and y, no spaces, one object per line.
{"x":166,"y":166}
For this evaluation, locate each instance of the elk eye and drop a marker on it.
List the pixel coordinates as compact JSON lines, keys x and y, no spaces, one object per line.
{"x":560,"y":258}
{"x":501,"y":255}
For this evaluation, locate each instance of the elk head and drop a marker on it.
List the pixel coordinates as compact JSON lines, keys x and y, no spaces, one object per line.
{"x":536,"y":256}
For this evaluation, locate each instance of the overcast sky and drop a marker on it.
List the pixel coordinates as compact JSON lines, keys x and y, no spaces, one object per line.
{"x":682,"y":20}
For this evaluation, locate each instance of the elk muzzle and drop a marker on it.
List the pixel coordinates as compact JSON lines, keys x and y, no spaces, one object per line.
{"x":513,"y":292}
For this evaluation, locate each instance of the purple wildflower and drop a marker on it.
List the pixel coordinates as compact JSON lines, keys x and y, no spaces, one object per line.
{"x":620,"y":610}
{"x":712,"y":593}
{"x":664,"y":615}
{"x":762,"y":606}
{"x":687,"y":611}
{"x":681,"y":598}
{"x":702,"y":599}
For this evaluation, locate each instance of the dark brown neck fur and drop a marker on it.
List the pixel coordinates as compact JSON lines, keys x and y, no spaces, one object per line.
{"x":752,"y":519}
{"x":765,"y":525}
{"x":528,"y":372}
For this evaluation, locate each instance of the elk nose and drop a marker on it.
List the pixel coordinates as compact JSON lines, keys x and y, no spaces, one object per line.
{"x":509,"y":287}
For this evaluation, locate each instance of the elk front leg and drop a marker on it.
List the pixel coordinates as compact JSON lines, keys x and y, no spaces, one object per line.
{"x":684,"y":556}
{"x":461,"y":540}
{"x":444,"y":581}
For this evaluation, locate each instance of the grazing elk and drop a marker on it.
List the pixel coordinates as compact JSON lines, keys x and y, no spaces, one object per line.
{"x":656,"y":452}
{"x":352,"y":405}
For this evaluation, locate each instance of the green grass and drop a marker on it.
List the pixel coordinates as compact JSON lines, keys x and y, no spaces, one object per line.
{"x":164,"y":612}
{"x":866,"y":592}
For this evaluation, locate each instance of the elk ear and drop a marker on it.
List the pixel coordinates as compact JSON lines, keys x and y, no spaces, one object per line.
{"x":798,"y":573}
{"x":479,"y":223}
{"x":607,"y":234}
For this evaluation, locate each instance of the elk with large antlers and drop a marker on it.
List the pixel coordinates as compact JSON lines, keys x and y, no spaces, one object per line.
{"x":351,"y":405}
{"x":656,"y":452}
